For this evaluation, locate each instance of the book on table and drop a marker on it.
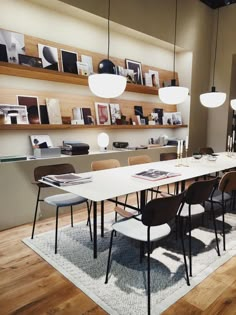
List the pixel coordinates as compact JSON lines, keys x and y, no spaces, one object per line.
{"x":153,"y":174}
{"x":67,"y":179}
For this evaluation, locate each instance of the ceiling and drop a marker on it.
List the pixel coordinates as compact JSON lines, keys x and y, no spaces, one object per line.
{"x":214,"y":4}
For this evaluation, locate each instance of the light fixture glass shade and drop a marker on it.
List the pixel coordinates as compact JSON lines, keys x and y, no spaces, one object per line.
{"x":107,"y":85}
{"x":213,"y":99}
{"x":233,"y":104}
{"x":173,"y":94}
{"x":103,"y":141}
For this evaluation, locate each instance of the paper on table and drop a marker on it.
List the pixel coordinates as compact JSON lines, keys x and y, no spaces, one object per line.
{"x":67,"y":179}
{"x":153,"y":174}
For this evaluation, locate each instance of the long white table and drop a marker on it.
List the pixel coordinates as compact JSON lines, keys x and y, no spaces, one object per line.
{"x":111,"y":183}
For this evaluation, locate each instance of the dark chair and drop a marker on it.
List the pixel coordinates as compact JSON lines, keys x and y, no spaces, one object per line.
{"x":223,"y":194}
{"x":194,"y":204}
{"x":152,"y":225}
{"x":206,"y":150}
{"x":59,"y":200}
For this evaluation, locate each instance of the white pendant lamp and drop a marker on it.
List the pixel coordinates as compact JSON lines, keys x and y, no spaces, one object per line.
{"x":213,"y":98}
{"x":106,"y":83}
{"x":173,"y":94}
{"x":233,"y":104}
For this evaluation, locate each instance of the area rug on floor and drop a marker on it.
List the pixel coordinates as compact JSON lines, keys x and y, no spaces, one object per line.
{"x":125,"y":292}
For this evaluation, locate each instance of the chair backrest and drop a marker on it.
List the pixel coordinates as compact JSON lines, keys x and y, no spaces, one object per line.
{"x":139,"y":159}
{"x":200,"y":191}
{"x":228,"y":182}
{"x":104,"y":164}
{"x":168,"y":156}
{"x":207,"y":150}
{"x":57,"y":169}
{"x":161,"y":210}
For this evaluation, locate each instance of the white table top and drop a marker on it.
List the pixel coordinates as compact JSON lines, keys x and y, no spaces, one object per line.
{"x":116,"y":182}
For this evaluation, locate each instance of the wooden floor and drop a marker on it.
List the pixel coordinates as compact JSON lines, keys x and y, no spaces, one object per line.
{"x":29,"y":285}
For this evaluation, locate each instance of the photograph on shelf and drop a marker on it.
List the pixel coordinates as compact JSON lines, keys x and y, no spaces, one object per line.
{"x":30,"y":61}
{"x":77,"y":116}
{"x":88,"y":119}
{"x":159,"y":111}
{"x":136,"y":66}
{"x":43,"y":114}
{"x":138,"y":110}
{"x":115,"y":112}
{"x":167,"y":119}
{"x":177,"y":118}
{"x":13,"y":114}
{"x":49,"y":56}
{"x":11,"y":44}
{"x":41,"y":141}
{"x":155,"y":78}
{"x":83,"y":68}
{"x":89,"y":61}
{"x":54,"y":111}
{"x":148,"y":79}
{"x":102,"y":114}
{"x":32,"y":105}
{"x":68,"y":60}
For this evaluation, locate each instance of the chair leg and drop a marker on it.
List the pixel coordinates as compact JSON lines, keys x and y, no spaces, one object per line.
{"x":71,"y":216}
{"x":137,"y":200}
{"x":35,"y":213}
{"x":141,"y":252}
{"x":89,"y":221}
{"x":190,"y":245}
{"x":126,"y":198}
{"x":214,"y":222}
{"x":109,"y":257}
{"x":181,"y":232}
{"x":56,"y":231}
{"x":148,"y":273}
{"x":223,"y":226}
{"x":89,"y":211}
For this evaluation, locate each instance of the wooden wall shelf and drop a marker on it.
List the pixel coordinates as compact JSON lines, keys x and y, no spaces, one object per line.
{"x":107,"y":127}
{"x":62,"y":77}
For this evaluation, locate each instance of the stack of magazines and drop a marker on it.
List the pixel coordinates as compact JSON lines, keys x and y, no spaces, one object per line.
{"x":67,"y":179}
{"x":153,"y":174}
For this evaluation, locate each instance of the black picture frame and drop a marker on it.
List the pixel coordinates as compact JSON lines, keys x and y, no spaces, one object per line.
{"x":136,"y":66}
{"x":69,"y":60}
{"x":30,"y":61}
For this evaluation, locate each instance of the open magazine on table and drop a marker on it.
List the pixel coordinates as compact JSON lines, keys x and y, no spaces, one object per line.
{"x":153,"y":174}
{"x":67,"y":179}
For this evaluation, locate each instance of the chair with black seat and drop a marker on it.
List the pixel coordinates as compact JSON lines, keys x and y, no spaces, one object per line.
{"x":194,"y":204}
{"x":58,"y":200}
{"x":151,"y":225}
{"x":223,"y":194}
{"x":206,"y":150}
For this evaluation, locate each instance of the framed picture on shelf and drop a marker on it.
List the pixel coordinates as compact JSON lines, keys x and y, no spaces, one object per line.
{"x":136,"y":66}
{"x":102,"y":114}
{"x":31,"y":103}
{"x":115,"y":112}
{"x":49,"y":57}
{"x":13,"y":114}
{"x":82,"y":67}
{"x":30,"y":61}
{"x":68,"y":60}
{"x":177,"y":118}
{"x":89,"y":61}
{"x":12,"y":44}
{"x":54,"y":111}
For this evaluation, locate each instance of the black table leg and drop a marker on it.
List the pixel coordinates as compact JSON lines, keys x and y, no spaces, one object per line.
{"x":182,"y":185}
{"x":142,"y":199}
{"x":102,"y":218}
{"x":94,"y":229}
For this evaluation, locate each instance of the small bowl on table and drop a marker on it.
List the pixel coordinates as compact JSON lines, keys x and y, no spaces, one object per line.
{"x":197,"y":156}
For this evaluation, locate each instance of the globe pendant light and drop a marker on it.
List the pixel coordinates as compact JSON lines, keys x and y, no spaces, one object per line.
{"x":106,"y":83}
{"x":233,"y":104}
{"x":213,"y":99}
{"x":173,"y":94}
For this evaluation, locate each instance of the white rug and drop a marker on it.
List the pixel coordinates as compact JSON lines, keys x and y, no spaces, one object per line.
{"x":125,"y":292}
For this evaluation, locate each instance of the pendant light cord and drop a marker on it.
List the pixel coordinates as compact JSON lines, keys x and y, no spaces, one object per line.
{"x":108,"y":27}
{"x":214,"y":65}
{"x":176,"y":4}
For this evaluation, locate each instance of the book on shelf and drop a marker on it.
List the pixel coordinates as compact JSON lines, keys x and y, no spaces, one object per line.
{"x":67,"y":179}
{"x":153,"y":174}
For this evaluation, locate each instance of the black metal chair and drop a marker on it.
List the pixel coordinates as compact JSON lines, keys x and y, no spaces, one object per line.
{"x":59,"y":200}
{"x":194,"y":204}
{"x":223,"y":194}
{"x":151,"y":225}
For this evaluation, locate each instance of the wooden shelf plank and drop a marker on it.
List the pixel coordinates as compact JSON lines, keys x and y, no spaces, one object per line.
{"x":107,"y":127}
{"x":62,"y":77}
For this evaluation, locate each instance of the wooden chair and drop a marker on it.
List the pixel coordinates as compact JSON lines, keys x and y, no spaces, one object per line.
{"x":225,"y":192}
{"x":59,"y":200}
{"x":104,"y":164}
{"x":194,"y":204}
{"x":135,"y":160}
{"x":152,"y":225}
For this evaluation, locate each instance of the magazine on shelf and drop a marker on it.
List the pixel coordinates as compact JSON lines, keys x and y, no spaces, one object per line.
{"x":67,"y":179}
{"x":153,"y":174}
